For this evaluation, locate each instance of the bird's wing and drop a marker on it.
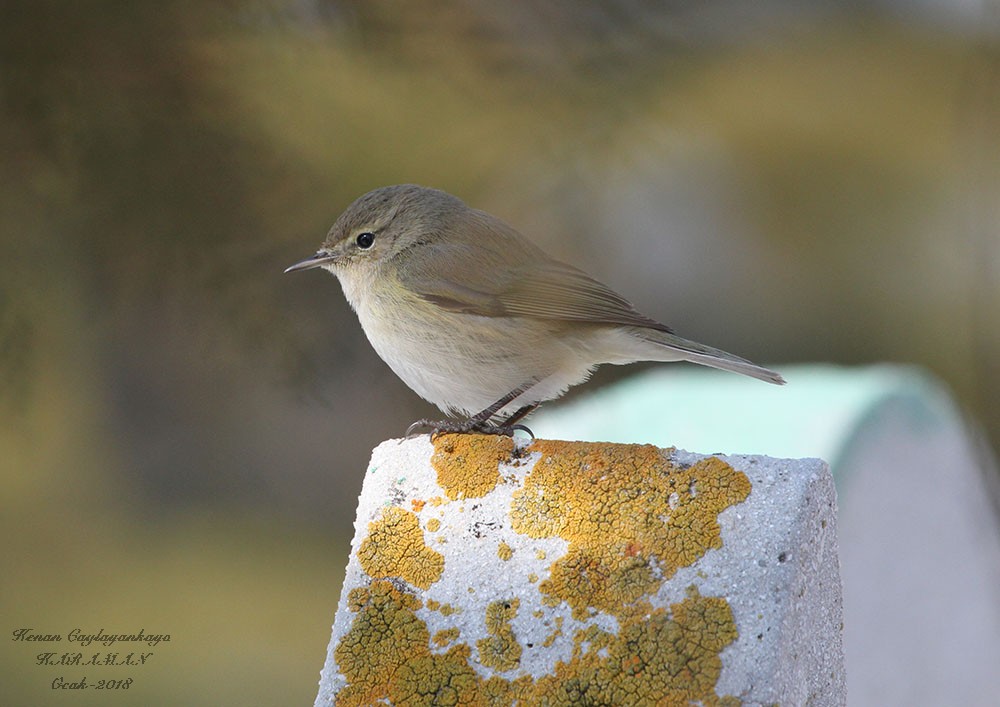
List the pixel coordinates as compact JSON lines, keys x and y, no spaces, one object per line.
{"x":554,"y":290}
{"x":508,"y":282}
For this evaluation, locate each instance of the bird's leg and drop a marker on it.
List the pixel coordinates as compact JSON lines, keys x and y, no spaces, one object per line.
{"x":520,"y":415}
{"x":480,"y":422}
{"x":485,"y":415}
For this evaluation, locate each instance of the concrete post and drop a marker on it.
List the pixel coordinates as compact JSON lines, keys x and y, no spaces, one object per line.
{"x":488,"y":571}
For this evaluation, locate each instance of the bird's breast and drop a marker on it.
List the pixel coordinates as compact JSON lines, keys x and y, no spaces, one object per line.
{"x":458,"y":361}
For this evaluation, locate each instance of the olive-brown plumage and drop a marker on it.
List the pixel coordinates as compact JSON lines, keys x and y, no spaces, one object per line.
{"x":468,"y":312}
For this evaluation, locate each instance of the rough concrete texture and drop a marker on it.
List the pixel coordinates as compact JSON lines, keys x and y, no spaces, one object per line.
{"x":489,"y":572}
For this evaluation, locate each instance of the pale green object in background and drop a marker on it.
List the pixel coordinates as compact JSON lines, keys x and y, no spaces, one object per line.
{"x":918,"y":534}
{"x":818,"y":414}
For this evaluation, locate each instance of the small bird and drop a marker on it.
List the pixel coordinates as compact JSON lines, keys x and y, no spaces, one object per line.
{"x":477,"y":319}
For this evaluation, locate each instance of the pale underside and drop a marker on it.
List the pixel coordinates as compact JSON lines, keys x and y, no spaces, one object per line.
{"x":463,"y":345}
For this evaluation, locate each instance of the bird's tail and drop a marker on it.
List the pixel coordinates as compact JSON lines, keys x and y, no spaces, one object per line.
{"x":687,"y":350}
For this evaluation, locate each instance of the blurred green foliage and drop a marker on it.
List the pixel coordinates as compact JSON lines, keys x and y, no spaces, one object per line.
{"x":184,"y":429}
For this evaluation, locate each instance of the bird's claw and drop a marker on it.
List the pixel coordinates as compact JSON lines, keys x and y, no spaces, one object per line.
{"x":438,"y":427}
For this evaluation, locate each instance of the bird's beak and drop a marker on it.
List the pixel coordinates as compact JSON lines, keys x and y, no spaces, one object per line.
{"x":314,"y":261}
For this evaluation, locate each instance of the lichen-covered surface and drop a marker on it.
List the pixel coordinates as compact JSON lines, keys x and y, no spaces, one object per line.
{"x":630,"y":516}
{"x":395,"y":548}
{"x":468,"y":466}
{"x":552,"y":573}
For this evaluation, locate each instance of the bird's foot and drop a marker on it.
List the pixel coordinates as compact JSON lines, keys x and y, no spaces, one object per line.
{"x":461,"y":427}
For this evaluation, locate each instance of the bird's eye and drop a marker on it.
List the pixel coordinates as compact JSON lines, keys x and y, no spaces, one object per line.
{"x":365,"y":240}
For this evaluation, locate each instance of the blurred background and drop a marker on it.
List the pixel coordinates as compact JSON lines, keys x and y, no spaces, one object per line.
{"x":185,"y":429}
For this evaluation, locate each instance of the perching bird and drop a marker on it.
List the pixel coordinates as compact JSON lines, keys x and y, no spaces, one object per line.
{"x":477,"y":319}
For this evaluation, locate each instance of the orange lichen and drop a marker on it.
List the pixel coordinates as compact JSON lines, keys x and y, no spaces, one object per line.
{"x":497,"y":692}
{"x":551,"y":638}
{"x":500,"y":650}
{"x":467,"y":465}
{"x":445,"y":636}
{"x":385,"y":635}
{"x":386,"y":655}
{"x":443,"y":609}
{"x":630,"y":516}
{"x":395,"y":548}
{"x":417,"y":505}
{"x":658,"y":657}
